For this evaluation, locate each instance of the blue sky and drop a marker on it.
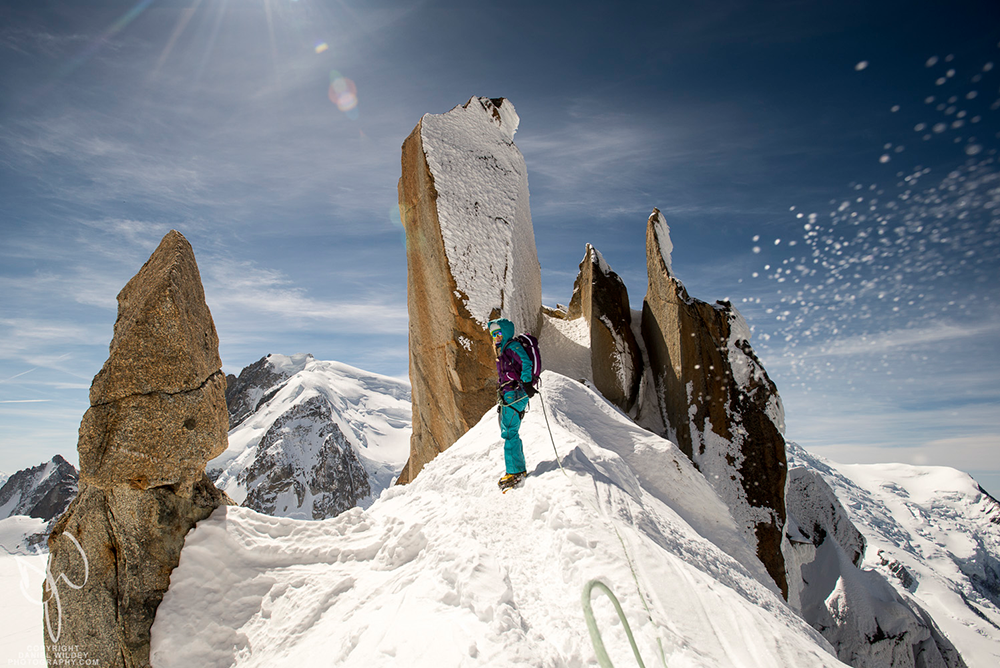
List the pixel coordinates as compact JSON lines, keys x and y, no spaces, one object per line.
{"x":122,"y":120}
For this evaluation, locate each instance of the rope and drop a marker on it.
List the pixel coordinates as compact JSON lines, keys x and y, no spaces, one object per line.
{"x":549,"y":427}
{"x":595,"y":634}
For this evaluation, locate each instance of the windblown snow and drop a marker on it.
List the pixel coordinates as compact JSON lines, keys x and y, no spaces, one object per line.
{"x":447,"y":571}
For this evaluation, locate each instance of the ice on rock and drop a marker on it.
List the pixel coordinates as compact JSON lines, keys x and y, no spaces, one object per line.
{"x":482,"y":205}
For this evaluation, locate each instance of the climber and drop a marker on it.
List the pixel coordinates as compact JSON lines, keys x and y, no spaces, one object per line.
{"x":514,"y":372}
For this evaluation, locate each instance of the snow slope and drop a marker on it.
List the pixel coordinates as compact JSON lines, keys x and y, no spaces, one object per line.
{"x":22,"y":569}
{"x":447,"y":571}
{"x":21,"y":629}
{"x":371,"y":412}
{"x":935,"y":535}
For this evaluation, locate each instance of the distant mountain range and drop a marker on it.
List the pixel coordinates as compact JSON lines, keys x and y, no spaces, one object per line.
{"x":31,"y":499}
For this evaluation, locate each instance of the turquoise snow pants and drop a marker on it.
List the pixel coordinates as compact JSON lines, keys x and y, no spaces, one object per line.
{"x":510,"y":426}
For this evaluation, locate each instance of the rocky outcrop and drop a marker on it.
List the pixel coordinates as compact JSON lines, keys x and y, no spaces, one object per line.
{"x":157,"y":415}
{"x":715,"y":401}
{"x":601,"y":299}
{"x":42,"y":491}
{"x":868,"y":623}
{"x":305,"y":463}
{"x":258,"y":383}
{"x":470,"y":251}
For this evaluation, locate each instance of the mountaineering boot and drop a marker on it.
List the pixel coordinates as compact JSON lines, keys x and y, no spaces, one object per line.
{"x":511,"y":480}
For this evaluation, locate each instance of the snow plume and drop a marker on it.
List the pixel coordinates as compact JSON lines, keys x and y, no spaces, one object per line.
{"x":482,"y":205}
{"x":913,"y":249}
{"x":446,"y":571}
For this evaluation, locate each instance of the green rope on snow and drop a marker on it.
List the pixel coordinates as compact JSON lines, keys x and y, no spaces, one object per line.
{"x":588,"y":613}
{"x":549,"y":427}
{"x":595,"y":634}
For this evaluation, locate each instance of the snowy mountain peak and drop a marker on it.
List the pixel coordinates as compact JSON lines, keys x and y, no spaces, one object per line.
{"x":42,"y":491}
{"x":255,"y":381}
{"x":312,"y":438}
{"x":932,"y":532}
{"x":289,"y":365}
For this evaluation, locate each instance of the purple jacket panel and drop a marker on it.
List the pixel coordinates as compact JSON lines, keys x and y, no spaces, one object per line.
{"x":509,"y":367}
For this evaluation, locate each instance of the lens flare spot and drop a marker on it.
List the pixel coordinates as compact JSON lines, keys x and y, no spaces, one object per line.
{"x":343,"y":93}
{"x":321,"y":47}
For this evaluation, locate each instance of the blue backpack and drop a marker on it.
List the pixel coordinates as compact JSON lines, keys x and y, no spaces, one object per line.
{"x":531,"y":349}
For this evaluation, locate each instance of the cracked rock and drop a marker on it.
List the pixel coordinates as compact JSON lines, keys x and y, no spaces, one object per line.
{"x":158,"y":414}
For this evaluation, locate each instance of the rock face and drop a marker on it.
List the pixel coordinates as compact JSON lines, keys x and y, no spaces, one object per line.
{"x":305,"y":439}
{"x":157,"y":415}
{"x":41,"y":491}
{"x":323,"y":437}
{"x":858,"y":612}
{"x":463,"y":199}
{"x":601,"y":299}
{"x":258,"y":383}
{"x":715,"y":401}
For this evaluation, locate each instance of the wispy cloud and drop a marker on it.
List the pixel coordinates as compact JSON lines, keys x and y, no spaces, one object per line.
{"x":903,"y":339}
{"x":249,"y":293}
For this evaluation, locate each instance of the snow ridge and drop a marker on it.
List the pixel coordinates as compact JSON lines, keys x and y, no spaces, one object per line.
{"x":446,"y":571}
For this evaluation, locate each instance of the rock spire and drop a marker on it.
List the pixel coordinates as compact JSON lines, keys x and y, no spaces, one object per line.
{"x":715,"y":400}
{"x":157,"y":415}
{"x":470,"y":252}
{"x":601,"y":299}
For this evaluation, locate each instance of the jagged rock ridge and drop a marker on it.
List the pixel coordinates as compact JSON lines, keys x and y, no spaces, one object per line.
{"x":41,"y":491}
{"x":157,"y":415}
{"x":714,"y":400}
{"x":471,"y":253}
{"x":600,"y":298}
{"x":463,"y":198}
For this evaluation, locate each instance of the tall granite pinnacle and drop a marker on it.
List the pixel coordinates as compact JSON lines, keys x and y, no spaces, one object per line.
{"x":157,"y":415}
{"x":470,"y":256}
{"x":716,"y":401}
